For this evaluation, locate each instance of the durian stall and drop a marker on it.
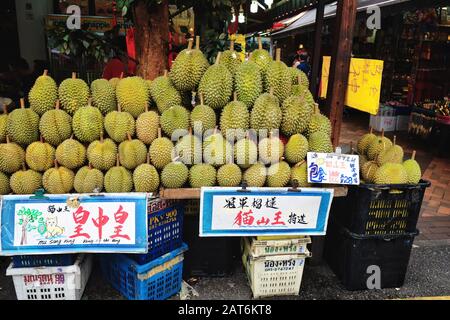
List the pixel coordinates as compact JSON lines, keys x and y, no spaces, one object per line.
{"x":190,"y":128}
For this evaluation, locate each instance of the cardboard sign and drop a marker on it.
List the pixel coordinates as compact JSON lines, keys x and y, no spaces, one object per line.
{"x":74,"y":224}
{"x":364,"y":83}
{"x":264,"y":211}
{"x":333,"y":168}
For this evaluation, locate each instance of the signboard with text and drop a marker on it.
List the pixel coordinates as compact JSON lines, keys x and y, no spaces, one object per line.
{"x":364,"y":83}
{"x":264,"y":211}
{"x":333,"y":168}
{"x":73,"y":223}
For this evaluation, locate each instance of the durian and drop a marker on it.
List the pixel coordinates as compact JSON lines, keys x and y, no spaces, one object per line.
{"x":203,"y":117}
{"x":73,"y":94}
{"x":56,"y":126}
{"x":234,"y":120}
{"x":270,"y":149}
{"x":296,"y":148}
{"x":23,"y":125}
{"x":245,"y":153}
{"x":88,"y":180}
{"x":296,"y":115}
{"x":391,"y":173}
{"x":229,"y":175}
{"x":119,"y":124}
{"x":87,"y":123}
{"x":266,"y":113}
{"x":365,"y":141}
{"x":58,"y":180}
{"x":255,"y":175}
{"x":299,"y":174}
{"x":146,"y":177}
{"x":103,"y":96}
{"x":43,"y":94}
{"x":25,"y":181}
{"x":277,"y":77}
{"x":71,"y":154}
{"x":278,"y":174}
{"x":164,"y":93}
{"x":202,"y":175}
{"x":248,"y":83}
{"x":102,"y":154}
{"x":132,"y":153}
{"x":161,"y":151}
{"x":320,"y":142}
{"x":12,"y":157}
{"x":176,"y":118}
{"x":216,"y":85}
{"x":412,"y":169}
{"x":174,"y":175}
{"x":147,"y":126}
{"x":118,"y":180}
{"x":40,"y":156}
{"x":132,"y":95}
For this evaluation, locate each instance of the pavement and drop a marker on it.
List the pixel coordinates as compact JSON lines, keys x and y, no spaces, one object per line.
{"x":428,"y":277}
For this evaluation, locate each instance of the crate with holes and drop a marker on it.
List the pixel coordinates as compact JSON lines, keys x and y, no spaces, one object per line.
{"x":52,"y":283}
{"x":158,"y":279}
{"x":165,"y":228}
{"x":275,"y":274}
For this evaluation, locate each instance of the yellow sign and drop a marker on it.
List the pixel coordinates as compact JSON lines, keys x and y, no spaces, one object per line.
{"x":364,"y":83}
{"x":240,"y":39}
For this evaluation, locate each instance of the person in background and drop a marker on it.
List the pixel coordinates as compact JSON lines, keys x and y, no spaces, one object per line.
{"x":118,"y":64}
{"x":304,"y":64}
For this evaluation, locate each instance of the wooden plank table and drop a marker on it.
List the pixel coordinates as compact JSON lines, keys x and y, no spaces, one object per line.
{"x":194,"y":193}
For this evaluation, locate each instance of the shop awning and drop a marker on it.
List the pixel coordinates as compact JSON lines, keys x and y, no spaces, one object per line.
{"x":309,"y":17}
{"x":287,"y":22}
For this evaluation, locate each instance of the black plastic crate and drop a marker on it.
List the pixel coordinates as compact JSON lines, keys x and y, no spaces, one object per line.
{"x":350,"y":255}
{"x":380,"y":209}
{"x":208,"y":257}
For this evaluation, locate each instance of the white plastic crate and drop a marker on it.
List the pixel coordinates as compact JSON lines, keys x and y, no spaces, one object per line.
{"x":270,"y":247}
{"x":278,"y":275}
{"x":52,"y":283}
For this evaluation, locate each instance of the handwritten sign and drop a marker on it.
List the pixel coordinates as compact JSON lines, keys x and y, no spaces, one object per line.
{"x":264,"y":211}
{"x":73,"y":224}
{"x":333,"y":168}
{"x":364,"y":83}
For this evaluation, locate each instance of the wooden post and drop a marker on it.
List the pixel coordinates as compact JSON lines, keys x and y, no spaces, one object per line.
{"x":316,"y":58}
{"x":340,"y":64}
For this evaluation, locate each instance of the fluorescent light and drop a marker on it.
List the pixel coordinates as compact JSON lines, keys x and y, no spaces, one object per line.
{"x":254,"y":6}
{"x":241,"y":18}
{"x":268,"y":3}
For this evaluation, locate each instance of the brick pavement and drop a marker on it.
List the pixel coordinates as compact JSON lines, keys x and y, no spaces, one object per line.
{"x":434,"y":221}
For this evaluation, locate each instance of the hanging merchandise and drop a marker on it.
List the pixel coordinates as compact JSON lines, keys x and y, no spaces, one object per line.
{"x":131,"y":49}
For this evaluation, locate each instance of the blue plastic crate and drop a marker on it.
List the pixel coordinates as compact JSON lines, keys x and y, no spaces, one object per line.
{"x":54,"y":260}
{"x":137,"y":282}
{"x":165,"y":229}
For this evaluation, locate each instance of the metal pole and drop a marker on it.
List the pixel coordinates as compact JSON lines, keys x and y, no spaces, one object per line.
{"x":316,"y":58}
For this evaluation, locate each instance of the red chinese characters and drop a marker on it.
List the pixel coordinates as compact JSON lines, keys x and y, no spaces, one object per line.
{"x":120,"y":216}
{"x":80,"y":216}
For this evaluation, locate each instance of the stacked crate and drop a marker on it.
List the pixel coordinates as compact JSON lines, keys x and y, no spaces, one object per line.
{"x":274,"y":266}
{"x":371,"y":230}
{"x":156,"y":275}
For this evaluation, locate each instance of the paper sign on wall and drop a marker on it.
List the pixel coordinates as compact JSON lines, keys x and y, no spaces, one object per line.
{"x":364,"y":83}
{"x":333,"y":168}
{"x":264,"y":211}
{"x":57,"y":224}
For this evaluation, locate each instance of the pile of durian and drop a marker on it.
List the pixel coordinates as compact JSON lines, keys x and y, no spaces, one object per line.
{"x":117,"y":135}
{"x":381,"y":161}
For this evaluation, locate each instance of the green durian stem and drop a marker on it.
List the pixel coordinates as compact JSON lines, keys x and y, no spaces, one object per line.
{"x":71,"y":137}
{"x":299,"y":163}
{"x":218,"y":58}
{"x":41,"y":139}
{"x":393,"y":140}
{"x":148,"y":157}
{"x":278,"y":55}
{"x":165,"y":73}
{"x":121,"y":75}
{"x":7,"y":139}
{"x":119,"y":107}
{"x":235,"y":96}
{"x":382,"y":133}
{"x":45,"y":72}
{"x":316,"y":108}
{"x":413,"y":155}
{"x":24,"y":167}
{"x":260,"y":43}
{"x":57,"y":105}
{"x":201,"y":98}
{"x":101,"y":136}
{"x":74,"y":75}
{"x":56,"y":164}
{"x":299,"y":79}
{"x":90,"y":101}
{"x":231,"y":45}
{"x":146,"y":107}
{"x":190,"y":43}
{"x":370,"y":130}
{"x":129,"y":136}
{"x":90,"y":165}
{"x":159,"y":132}
{"x":271,"y":91}
{"x":117,"y":161}
{"x":5,"y":109}
{"x":22,"y":103}
{"x":197,"y":42}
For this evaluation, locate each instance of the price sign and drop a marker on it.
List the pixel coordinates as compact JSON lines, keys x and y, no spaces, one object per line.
{"x":74,"y":224}
{"x":264,"y":211}
{"x":333,"y":168}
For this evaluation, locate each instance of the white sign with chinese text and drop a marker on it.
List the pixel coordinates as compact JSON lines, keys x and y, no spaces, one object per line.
{"x":54,"y":224}
{"x":333,"y":168}
{"x":264,"y":211}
